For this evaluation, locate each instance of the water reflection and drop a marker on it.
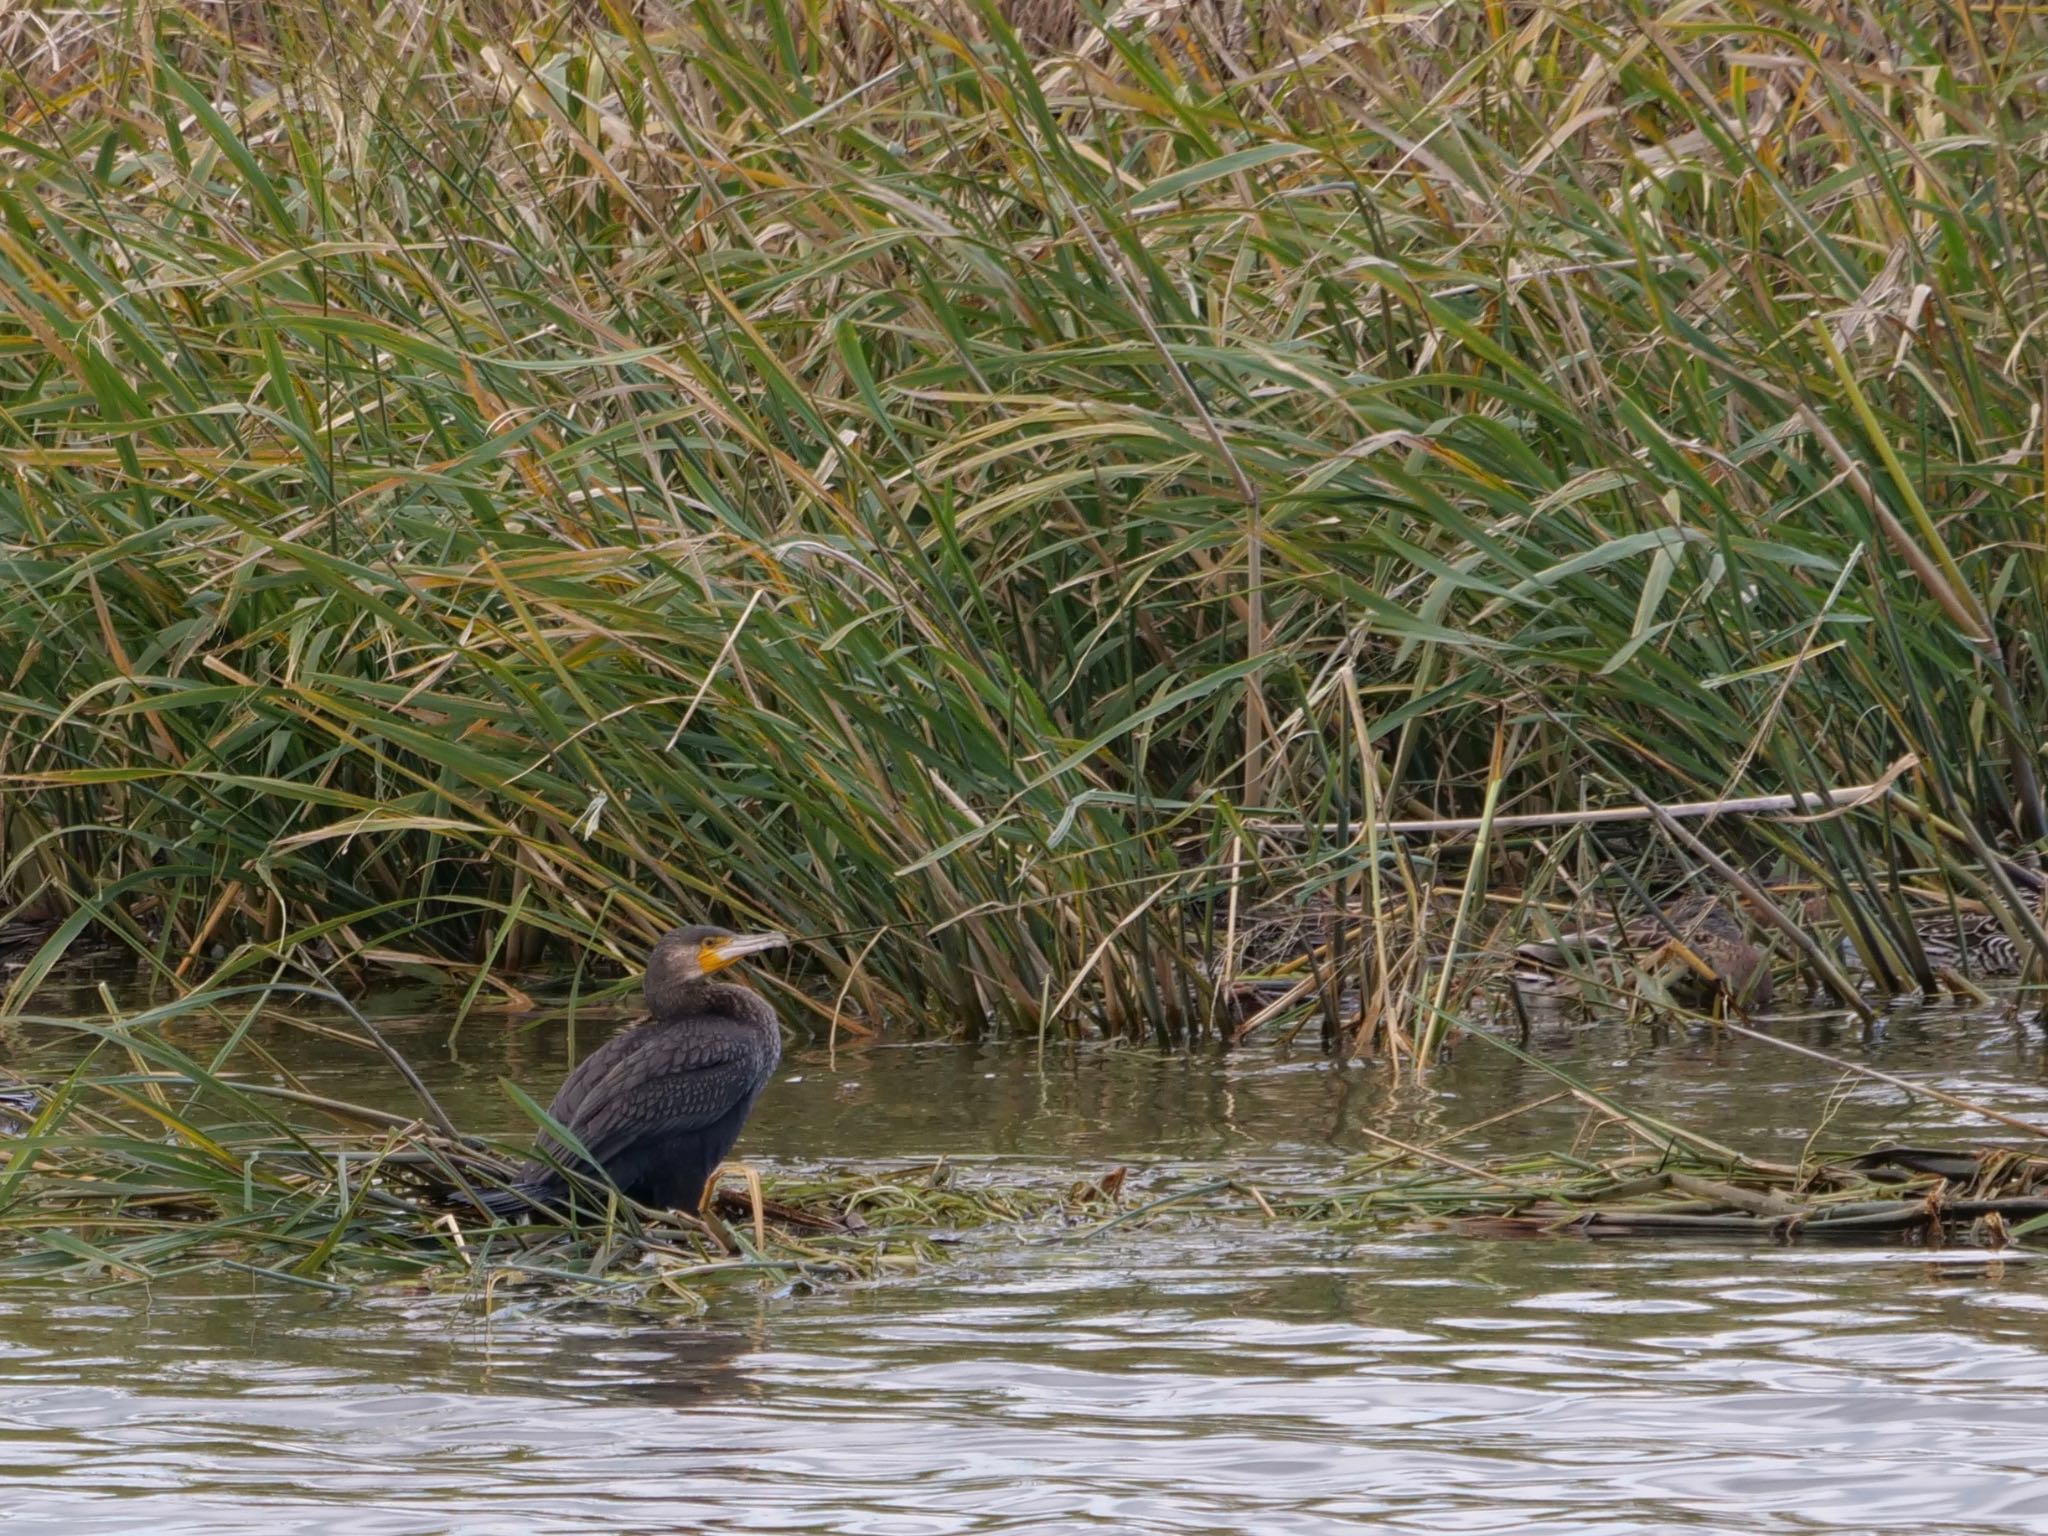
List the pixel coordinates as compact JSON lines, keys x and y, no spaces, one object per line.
{"x":1197,"y":1379}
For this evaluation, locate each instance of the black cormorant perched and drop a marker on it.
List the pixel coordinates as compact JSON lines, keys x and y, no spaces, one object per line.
{"x":660,"y":1105}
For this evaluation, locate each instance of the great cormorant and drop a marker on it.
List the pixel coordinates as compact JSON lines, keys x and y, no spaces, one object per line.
{"x":659,"y":1106}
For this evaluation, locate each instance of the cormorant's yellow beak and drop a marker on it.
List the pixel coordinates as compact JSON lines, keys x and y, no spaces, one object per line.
{"x":717,"y":954}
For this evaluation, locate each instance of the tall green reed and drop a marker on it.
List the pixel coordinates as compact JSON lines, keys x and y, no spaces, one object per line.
{"x":478,"y":484}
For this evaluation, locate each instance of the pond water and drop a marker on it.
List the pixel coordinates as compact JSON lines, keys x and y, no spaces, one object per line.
{"x":1184,"y":1379}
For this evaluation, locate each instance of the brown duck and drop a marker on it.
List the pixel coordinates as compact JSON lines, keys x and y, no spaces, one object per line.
{"x":1697,"y":946}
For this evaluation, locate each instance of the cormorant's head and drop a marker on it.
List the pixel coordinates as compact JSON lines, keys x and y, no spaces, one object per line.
{"x":685,"y":955}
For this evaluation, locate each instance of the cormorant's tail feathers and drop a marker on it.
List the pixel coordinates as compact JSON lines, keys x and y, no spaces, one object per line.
{"x":528,"y":1197}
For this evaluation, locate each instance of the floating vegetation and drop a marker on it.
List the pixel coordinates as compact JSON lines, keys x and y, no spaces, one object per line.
{"x":1657,"y":1179}
{"x":135,"y":1178}
{"x":1988,"y":1197}
{"x":143,"y":1163}
{"x":164,"y":1168}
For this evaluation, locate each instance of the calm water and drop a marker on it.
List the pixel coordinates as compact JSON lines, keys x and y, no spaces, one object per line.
{"x":1188,"y":1380}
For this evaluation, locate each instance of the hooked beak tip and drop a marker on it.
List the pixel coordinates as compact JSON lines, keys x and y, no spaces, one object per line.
{"x":719,"y":953}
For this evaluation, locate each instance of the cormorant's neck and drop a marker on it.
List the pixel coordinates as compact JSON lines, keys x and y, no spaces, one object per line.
{"x":702,"y":995}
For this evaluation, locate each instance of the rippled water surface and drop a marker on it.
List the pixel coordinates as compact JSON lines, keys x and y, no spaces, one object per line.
{"x":1198,"y":1379}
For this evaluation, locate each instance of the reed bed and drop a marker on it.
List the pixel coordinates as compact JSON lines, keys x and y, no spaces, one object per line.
{"x":1010,"y":497}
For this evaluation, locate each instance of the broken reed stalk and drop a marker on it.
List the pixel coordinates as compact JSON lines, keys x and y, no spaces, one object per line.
{"x":1918,"y":1090}
{"x":390,"y":1052}
{"x":1836,"y":801}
